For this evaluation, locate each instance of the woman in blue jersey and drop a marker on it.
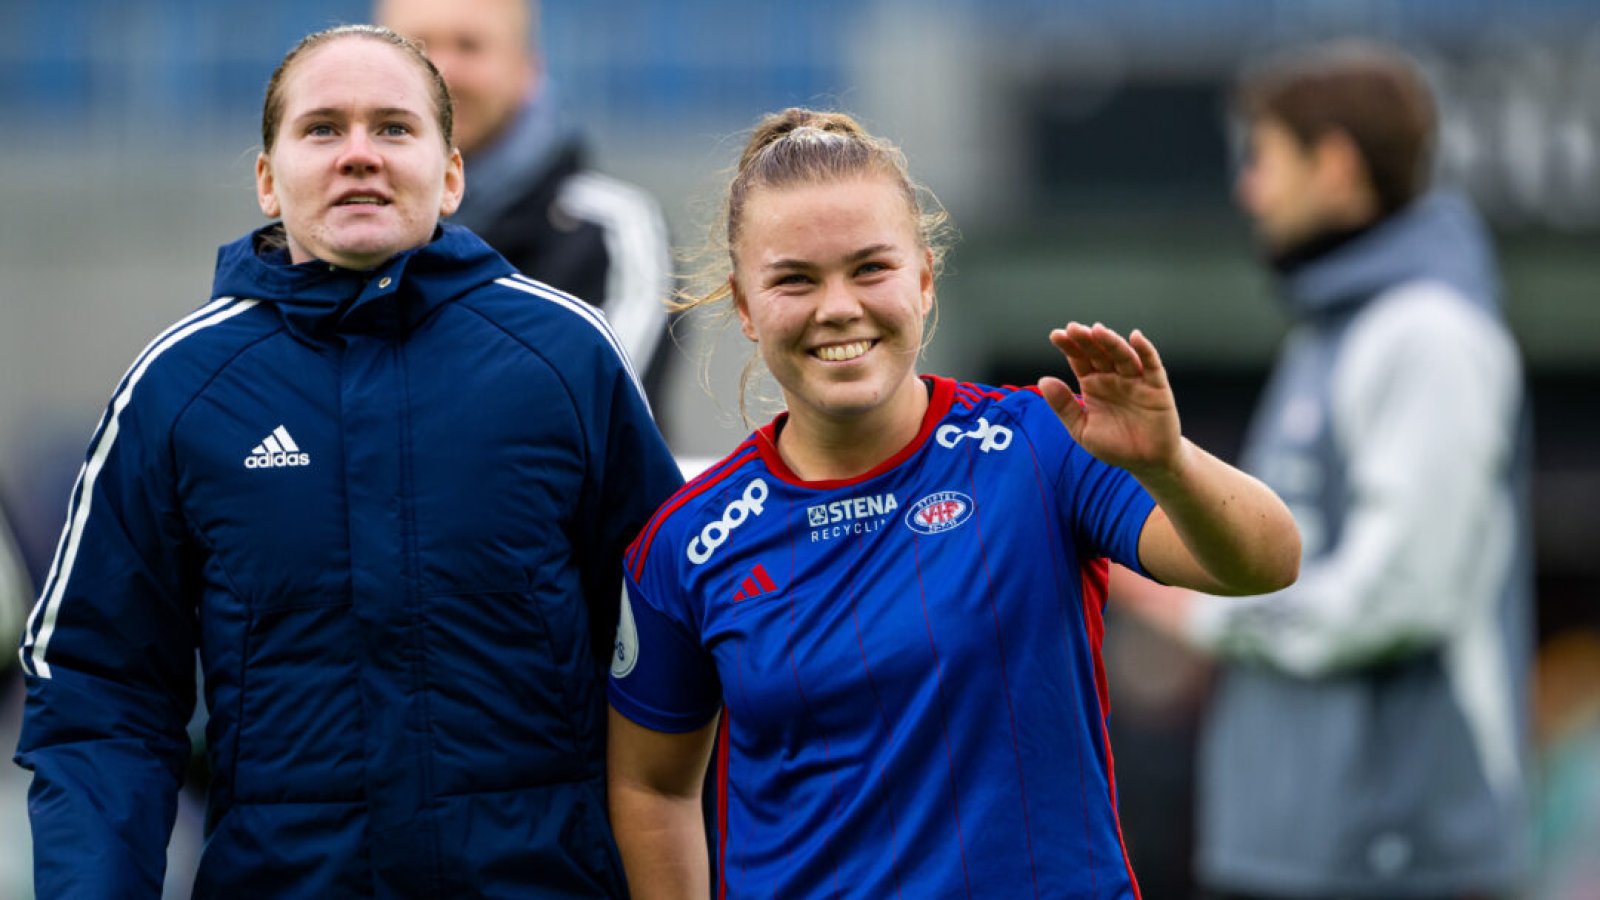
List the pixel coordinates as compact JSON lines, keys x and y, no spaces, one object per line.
{"x":382,"y":485}
{"x":892,"y":593}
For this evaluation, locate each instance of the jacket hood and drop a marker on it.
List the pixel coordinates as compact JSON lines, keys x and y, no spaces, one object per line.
{"x":316,"y":297}
{"x":1438,"y":237}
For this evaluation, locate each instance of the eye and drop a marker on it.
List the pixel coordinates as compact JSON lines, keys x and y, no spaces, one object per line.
{"x":791,"y":279}
{"x":319,"y":129}
{"x":395,"y":129}
{"x":872,"y":267}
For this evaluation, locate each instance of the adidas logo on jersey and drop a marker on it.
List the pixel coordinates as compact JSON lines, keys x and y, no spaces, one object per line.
{"x":277,"y":450}
{"x":755,"y":584}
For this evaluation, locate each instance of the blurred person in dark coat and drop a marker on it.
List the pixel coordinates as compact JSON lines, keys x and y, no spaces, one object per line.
{"x":1367,"y":737}
{"x":532,"y":195}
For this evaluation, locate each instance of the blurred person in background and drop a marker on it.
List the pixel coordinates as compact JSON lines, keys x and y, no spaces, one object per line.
{"x":382,"y":485}
{"x":16,"y":588}
{"x":889,"y":598}
{"x":1567,"y":728}
{"x":531,"y":194}
{"x":1368,"y":732}
{"x":16,"y":596}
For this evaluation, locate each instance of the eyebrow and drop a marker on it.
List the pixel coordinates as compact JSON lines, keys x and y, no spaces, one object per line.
{"x":863,"y":253}
{"x":382,"y":112}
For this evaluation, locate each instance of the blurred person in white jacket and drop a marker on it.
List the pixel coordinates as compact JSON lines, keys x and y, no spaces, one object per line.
{"x":1368,"y":733}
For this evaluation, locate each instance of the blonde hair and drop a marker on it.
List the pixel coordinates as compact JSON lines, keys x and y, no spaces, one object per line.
{"x":803,"y":147}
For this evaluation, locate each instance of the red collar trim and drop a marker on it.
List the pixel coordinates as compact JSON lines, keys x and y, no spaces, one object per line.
{"x":766,"y":436}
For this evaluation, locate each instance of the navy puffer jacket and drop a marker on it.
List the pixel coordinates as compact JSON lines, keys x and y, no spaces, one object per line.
{"x":388,"y":509}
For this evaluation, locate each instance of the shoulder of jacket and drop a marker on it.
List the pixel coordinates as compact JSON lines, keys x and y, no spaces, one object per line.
{"x":179,"y":361}
{"x":535,"y":311}
{"x":1428,"y":312}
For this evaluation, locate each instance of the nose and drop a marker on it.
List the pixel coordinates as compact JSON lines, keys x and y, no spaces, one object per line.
{"x":1247,"y":186}
{"x":359,"y":154}
{"x":838,"y":302}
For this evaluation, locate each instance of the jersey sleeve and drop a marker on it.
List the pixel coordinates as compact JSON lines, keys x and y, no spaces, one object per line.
{"x":661,"y":675}
{"x":1102,"y":508}
{"x":109,"y":658}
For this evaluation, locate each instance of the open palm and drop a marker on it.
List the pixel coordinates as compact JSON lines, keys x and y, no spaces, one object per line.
{"x":1127,"y":416}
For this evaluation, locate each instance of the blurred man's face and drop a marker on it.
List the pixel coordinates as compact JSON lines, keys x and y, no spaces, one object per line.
{"x":1282,"y":187}
{"x":480,"y":46}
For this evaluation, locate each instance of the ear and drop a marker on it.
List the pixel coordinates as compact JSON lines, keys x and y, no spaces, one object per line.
{"x":1339,"y":165}
{"x":455,"y":183}
{"x":266,"y":196}
{"x":741,"y":304}
{"x":925,"y":280}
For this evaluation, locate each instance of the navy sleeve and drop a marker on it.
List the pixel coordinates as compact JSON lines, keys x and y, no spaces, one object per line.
{"x":109,"y":658}
{"x":632,"y":472}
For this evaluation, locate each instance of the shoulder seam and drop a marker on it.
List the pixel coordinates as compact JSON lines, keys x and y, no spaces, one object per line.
{"x":585,"y":311}
{"x":639,"y":550}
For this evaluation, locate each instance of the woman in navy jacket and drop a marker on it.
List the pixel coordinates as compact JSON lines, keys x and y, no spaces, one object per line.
{"x":382,"y":484}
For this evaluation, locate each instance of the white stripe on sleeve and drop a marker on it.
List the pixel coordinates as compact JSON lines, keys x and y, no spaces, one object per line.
{"x":48,"y":607}
{"x":589,"y":313}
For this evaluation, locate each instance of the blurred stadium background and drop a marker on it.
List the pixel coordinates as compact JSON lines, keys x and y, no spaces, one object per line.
{"x":1081,"y":146}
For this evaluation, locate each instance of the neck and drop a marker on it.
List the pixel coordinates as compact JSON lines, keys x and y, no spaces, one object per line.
{"x":1286,"y":261}
{"x":817,"y":447}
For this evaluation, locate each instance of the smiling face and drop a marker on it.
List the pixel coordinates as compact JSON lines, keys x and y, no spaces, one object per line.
{"x":358,"y":170}
{"x":833,"y":284}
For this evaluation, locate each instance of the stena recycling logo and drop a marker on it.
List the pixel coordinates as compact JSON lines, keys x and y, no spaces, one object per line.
{"x":989,"y":437}
{"x":715,"y":533}
{"x":939,"y":512}
{"x":625,"y":654}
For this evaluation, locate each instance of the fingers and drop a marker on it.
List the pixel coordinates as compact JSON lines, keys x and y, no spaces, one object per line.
{"x":1148,"y":357}
{"x":1063,"y":401}
{"x":1098,"y":349}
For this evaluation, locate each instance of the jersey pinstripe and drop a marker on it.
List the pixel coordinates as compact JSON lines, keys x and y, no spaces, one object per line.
{"x":909,"y":661}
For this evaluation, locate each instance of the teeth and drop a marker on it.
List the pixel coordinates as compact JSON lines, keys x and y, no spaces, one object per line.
{"x":362,"y":201}
{"x":842,"y":352}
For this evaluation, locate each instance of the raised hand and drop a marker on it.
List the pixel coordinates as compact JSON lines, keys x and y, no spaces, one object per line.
{"x":1127,"y":416}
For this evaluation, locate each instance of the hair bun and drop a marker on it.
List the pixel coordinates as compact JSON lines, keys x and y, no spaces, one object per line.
{"x":798,"y":123}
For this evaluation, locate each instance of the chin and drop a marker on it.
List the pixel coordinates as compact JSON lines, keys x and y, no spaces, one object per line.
{"x":366,"y":254}
{"x":848,"y":404}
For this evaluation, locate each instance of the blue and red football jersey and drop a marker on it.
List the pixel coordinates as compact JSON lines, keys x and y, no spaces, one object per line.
{"x":909,"y":661}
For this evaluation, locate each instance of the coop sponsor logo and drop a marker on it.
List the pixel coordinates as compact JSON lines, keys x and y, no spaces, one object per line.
{"x":702,"y":545}
{"x":989,"y":437}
